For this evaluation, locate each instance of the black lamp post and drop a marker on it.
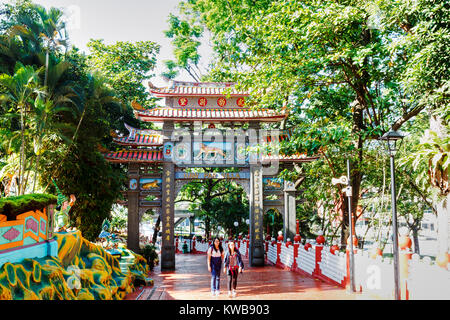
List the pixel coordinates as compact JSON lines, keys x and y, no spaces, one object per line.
{"x":391,"y":139}
{"x":236,"y":224}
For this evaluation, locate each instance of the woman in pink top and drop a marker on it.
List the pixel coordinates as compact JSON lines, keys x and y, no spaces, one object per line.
{"x":234,"y":265}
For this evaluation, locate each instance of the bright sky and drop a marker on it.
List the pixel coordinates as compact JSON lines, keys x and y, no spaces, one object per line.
{"x":122,"y":20}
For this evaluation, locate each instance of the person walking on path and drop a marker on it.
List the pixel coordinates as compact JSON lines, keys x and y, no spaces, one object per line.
{"x":215,"y":255}
{"x":234,"y":265}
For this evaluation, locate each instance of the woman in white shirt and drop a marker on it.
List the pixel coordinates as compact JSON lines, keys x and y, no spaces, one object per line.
{"x":215,"y":255}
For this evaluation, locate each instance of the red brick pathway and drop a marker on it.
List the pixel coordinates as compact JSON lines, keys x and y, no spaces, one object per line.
{"x":191,"y":281}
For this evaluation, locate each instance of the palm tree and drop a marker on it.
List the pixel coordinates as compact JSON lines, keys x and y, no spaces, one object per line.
{"x":44,"y":31}
{"x":96,"y":96}
{"x":19,"y":91}
{"x":52,"y":32}
{"x":42,"y":123}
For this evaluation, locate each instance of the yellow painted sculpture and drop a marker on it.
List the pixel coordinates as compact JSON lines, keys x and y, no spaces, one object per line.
{"x":82,"y":271}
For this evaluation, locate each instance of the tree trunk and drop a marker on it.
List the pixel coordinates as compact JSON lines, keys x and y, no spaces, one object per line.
{"x":22,"y":153}
{"x":191,"y":226}
{"x":36,"y":171}
{"x":355,"y":179}
{"x":207,"y":227}
{"x":156,"y":229}
{"x":415,"y":232}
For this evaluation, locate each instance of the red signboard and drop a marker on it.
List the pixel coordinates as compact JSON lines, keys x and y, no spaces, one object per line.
{"x":183,"y":102}
{"x":221,"y":102}
{"x":202,"y":102}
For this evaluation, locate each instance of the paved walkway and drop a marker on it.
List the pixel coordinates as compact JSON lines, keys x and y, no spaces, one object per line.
{"x":191,"y":281}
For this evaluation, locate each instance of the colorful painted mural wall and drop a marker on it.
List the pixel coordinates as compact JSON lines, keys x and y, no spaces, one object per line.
{"x":37,"y":264}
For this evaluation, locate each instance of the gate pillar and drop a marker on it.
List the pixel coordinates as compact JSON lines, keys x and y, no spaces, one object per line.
{"x":289,"y":219}
{"x":168,"y":210}
{"x":133,"y":208}
{"x":256,"y":252}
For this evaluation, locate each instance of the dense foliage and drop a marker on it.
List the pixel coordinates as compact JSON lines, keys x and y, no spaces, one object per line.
{"x":59,"y":107}
{"x":348,"y":71}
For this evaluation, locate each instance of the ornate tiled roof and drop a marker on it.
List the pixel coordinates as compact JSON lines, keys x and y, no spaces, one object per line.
{"x":211,"y":115}
{"x":140,"y":137}
{"x":135,"y":156}
{"x":140,"y":140}
{"x":183,"y":88}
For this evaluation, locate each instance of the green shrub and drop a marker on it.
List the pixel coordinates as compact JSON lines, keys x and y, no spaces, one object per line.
{"x":150,"y":254}
{"x":13,"y":206}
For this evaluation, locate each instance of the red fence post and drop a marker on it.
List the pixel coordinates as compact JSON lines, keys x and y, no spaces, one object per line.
{"x":279,"y":242}
{"x":297,"y":240}
{"x":294,"y":263}
{"x":246,"y":249}
{"x":319,"y":249}
{"x":320,"y":240}
{"x":404,"y":257}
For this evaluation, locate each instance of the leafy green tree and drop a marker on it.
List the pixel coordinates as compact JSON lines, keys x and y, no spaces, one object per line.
{"x":327,"y":62}
{"x":185,"y":41}
{"x":424,"y":36}
{"x":65,"y":121}
{"x":126,"y":65}
{"x":18,"y":91}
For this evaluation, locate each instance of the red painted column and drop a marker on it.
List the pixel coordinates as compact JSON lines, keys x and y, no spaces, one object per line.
{"x":193,"y":245}
{"x":319,"y":249}
{"x":297,"y":240}
{"x":176,"y":246}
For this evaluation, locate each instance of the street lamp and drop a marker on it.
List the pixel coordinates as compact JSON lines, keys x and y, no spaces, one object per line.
{"x":236,"y":225}
{"x":247,"y":221}
{"x":391,"y":139}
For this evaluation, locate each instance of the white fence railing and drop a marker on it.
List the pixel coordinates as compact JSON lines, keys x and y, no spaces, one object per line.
{"x":333,"y":266}
{"x":272,"y":253}
{"x":287,"y":255}
{"x":306,"y":260}
{"x":201,"y":246}
{"x":243,"y":248}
